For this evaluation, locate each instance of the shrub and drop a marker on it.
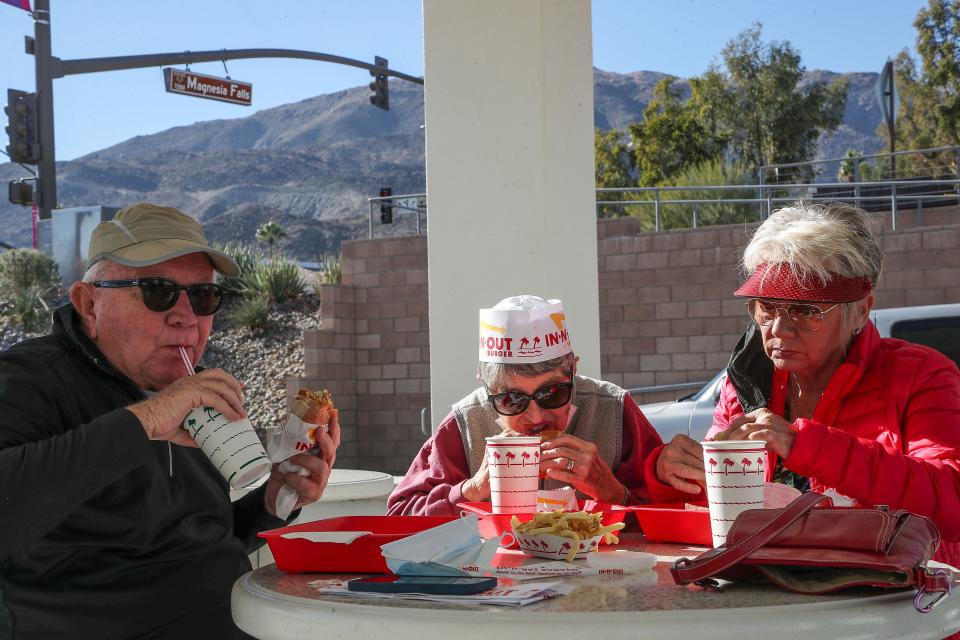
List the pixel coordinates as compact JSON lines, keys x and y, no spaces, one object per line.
{"x":30,"y":311}
{"x":245,"y":255}
{"x":28,"y":269}
{"x":331,"y":268}
{"x":275,"y":278}
{"x":252,"y":312}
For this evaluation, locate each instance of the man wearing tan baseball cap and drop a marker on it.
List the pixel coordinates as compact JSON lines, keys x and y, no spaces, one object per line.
{"x":144,"y":234}
{"x":114,"y":524}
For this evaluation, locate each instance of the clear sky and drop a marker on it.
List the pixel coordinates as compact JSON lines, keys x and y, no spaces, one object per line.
{"x":681,"y":37}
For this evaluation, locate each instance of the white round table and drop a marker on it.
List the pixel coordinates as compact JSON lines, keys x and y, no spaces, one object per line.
{"x":271,"y":605}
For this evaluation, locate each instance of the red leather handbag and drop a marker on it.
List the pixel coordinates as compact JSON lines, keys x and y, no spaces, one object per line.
{"x":812,"y":551}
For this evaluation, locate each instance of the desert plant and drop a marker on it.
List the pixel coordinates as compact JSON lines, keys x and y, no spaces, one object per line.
{"x":252,"y":312}
{"x":245,"y":255}
{"x":28,"y":269}
{"x":29,"y":309}
{"x":276,"y":278}
{"x":270,"y":232}
{"x":331,"y":268}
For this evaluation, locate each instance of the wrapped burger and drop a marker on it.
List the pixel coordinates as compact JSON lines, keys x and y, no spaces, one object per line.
{"x":310,"y":415}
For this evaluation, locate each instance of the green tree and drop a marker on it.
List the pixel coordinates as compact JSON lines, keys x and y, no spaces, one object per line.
{"x":271,"y":232}
{"x":613,"y":165}
{"x":938,"y":43}
{"x":929,"y":113}
{"x":670,"y":138}
{"x":771,"y":116}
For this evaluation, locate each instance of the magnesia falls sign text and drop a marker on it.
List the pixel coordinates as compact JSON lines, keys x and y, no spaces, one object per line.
{"x":212,"y":87}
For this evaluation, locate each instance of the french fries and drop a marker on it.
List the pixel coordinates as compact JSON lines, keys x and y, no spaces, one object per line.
{"x":576,"y":525}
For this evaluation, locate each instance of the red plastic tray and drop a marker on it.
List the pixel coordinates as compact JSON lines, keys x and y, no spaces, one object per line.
{"x":360,"y":556}
{"x":673,"y":523}
{"x":493,"y":525}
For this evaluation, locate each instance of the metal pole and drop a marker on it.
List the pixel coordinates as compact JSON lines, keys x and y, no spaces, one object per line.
{"x":893,"y":206}
{"x":418,"y":220}
{"x":47,"y":167}
{"x":760,"y":192}
{"x":656,"y":210}
{"x":856,"y":182}
{"x":370,"y":217}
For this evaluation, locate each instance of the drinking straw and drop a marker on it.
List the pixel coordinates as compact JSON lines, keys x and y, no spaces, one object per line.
{"x":186,"y":361}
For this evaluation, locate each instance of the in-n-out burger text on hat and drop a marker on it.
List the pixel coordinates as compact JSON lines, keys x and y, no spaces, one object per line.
{"x":523,"y":329}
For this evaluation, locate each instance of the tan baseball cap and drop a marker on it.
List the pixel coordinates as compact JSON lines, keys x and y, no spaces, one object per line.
{"x":145,"y":234}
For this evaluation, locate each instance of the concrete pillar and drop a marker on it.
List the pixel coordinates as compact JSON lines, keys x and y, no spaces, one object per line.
{"x":510,"y":179}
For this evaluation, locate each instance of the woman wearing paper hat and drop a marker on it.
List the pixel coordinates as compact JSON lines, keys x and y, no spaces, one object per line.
{"x":530,"y":387}
{"x":843,"y":411}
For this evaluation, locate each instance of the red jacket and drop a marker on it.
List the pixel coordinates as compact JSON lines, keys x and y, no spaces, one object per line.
{"x":886,"y":431}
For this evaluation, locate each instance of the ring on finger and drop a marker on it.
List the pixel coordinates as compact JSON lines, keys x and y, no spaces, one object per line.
{"x":570,"y":465}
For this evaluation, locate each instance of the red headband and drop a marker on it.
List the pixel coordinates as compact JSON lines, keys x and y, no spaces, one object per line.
{"x":779,"y":281}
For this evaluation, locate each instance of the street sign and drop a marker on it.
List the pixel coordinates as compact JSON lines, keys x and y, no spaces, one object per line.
{"x":886,"y":92}
{"x":211,"y":87}
{"x":407,"y":204}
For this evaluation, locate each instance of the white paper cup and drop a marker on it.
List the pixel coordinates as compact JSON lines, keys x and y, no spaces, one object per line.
{"x":514,"y":464}
{"x":233,"y":447}
{"x":735,"y":478}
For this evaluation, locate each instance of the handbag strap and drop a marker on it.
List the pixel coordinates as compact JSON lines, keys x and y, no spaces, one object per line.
{"x":685,"y":571}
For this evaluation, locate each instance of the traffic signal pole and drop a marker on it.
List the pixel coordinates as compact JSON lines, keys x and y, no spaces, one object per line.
{"x":49,"y":68}
{"x":47,"y":166}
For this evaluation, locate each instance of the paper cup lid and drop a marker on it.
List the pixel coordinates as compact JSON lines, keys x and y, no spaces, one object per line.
{"x":734,"y":445}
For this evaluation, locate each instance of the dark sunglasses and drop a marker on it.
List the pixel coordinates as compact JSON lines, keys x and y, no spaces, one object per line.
{"x":550,"y":396}
{"x":160,"y":294}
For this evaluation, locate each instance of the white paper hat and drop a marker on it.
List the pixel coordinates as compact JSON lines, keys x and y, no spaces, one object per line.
{"x":523,"y":329}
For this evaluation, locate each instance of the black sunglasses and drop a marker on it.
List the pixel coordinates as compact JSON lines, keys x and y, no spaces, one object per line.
{"x":160,"y":294}
{"x":550,"y":396}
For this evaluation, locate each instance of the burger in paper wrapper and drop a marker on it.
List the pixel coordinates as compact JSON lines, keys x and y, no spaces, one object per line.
{"x":315,"y":410}
{"x":310,"y":415}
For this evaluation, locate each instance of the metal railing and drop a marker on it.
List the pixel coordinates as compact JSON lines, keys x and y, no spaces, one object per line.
{"x":680,"y":386}
{"x":880,"y":195}
{"x":410,"y":202}
{"x":930,"y":163}
{"x":769,"y":196}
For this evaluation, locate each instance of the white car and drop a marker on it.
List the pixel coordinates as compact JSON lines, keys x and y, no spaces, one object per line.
{"x":936,"y":326}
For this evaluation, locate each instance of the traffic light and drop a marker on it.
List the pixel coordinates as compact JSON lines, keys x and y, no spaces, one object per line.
{"x":21,"y":192}
{"x":381,"y":91}
{"x":24,"y":146}
{"x":386,"y":210}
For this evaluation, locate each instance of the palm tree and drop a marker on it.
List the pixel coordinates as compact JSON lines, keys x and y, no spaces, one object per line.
{"x":270,"y":232}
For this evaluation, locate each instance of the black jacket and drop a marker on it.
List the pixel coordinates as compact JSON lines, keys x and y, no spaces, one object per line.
{"x":103,"y":532}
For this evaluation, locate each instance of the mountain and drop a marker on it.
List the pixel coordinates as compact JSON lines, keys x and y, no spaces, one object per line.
{"x":312,"y":164}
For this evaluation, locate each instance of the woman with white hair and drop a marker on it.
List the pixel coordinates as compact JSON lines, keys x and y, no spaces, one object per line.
{"x":596,"y":439}
{"x":868,"y":420}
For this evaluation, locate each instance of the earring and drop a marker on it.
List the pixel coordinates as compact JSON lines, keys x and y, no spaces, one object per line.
{"x":857,"y":331}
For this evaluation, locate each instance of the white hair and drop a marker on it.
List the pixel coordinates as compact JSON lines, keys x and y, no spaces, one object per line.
{"x":815,"y":241}
{"x":99,"y":270}
{"x":495,"y":376}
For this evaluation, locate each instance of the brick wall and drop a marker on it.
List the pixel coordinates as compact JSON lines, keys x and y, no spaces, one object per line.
{"x":666,"y":316}
{"x":372,"y":351}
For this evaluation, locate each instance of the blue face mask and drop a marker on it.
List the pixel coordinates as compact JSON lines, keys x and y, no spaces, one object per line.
{"x":442,"y":550}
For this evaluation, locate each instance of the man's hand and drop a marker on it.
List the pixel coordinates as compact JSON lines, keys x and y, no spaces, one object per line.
{"x":589,"y":473}
{"x":765,"y":425}
{"x":310,"y":483}
{"x":681,"y":462}
{"x":162,"y":415}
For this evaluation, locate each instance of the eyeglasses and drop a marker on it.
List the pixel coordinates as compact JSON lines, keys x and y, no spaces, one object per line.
{"x":550,"y":396}
{"x":803,"y":317}
{"x":160,"y":294}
